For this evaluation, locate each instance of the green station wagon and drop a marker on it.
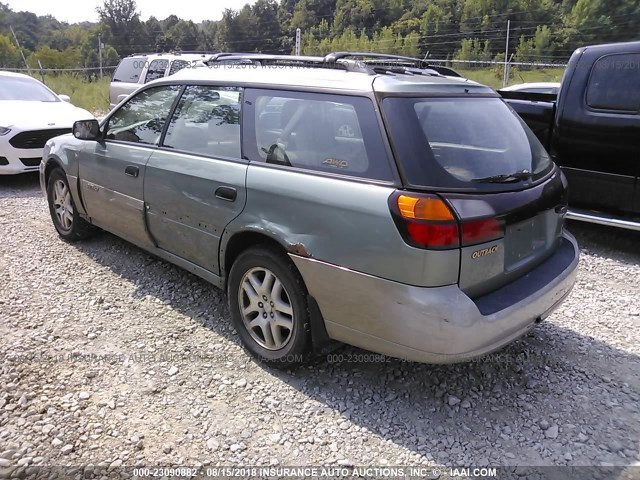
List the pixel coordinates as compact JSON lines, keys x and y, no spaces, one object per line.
{"x":360,"y":198}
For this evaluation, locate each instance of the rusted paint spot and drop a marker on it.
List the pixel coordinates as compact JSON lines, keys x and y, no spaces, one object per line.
{"x":299,"y":249}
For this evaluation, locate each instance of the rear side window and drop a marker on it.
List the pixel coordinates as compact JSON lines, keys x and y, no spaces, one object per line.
{"x":156,"y":70}
{"x":207,"y":122}
{"x":463,"y":143}
{"x":615,"y":83}
{"x":328,"y":133}
{"x":129,"y":70}
{"x":178,"y":65}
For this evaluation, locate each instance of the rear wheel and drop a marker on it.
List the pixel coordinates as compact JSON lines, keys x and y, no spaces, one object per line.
{"x":267,"y":299}
{"x":65,"y":216}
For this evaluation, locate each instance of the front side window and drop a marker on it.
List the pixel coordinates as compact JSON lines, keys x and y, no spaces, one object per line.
{"x":328,"y":133}
{"x":476,"y":143}
{"x":615,"y":83}
{"x":142,"y":118}
{"x":207,"y":122}
{"x":156,"y":70}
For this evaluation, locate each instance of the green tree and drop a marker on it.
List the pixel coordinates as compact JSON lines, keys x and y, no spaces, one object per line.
{"x":9,"y":53}
{"x":184,"y":35}
{"x":473,"y":49}
{"x":265,"y":13}
{"x":124,"y":26}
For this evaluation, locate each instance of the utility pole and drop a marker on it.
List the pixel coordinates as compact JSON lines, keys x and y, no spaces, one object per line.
{"x":505,"y":80}
{"x":298,"y":41}
{"x":100,"y":47}
{"x":42,"y":73}
{"x":20,"y":48}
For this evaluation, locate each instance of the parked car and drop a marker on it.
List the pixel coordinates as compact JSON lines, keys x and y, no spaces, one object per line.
{"x":551,"y":88}
{"x":593,"y":132}
{"x":140,"y":68}
{"x":407,"y":213}
{"x":30,"y":114}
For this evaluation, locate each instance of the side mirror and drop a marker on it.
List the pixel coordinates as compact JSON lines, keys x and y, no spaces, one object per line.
{"x":65,"y":98}
{"x":87,"y":130}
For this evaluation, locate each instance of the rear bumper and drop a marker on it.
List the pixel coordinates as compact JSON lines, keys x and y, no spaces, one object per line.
{"x":436,"y":325}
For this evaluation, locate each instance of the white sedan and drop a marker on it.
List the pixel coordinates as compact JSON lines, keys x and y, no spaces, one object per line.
{"x":30,"y":114}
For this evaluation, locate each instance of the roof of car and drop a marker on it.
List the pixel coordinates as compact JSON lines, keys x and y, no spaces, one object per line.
{"x":322,"y":79}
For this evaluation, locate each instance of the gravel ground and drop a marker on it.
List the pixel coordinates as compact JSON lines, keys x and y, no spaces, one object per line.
{"x":109,"y":356}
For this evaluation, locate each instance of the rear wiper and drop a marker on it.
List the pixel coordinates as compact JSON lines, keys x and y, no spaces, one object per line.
{"x":520,"y":176}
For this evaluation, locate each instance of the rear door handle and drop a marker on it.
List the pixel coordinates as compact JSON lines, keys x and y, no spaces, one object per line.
{"x":131,"y":171}
{"x":227,"y":193}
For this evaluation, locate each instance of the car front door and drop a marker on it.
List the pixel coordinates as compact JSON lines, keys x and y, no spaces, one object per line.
{"x":112,"y":171}
{"x":195,"y":182}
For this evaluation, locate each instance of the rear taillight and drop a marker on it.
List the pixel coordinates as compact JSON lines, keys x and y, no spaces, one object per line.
{"x":427,"y":221}
{"x":475,"y":232}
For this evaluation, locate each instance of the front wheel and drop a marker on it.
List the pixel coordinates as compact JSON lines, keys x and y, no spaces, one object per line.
{"x":64,"y":214}
{"x":268,"y":303}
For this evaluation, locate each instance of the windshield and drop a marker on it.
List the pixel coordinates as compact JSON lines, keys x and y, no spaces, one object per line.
{"x":477,"y":143}
{"x":26,"y":89}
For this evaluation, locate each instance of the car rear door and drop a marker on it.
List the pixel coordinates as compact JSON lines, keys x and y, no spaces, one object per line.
{"x":195,"y":182}
{"x":112,"y":171}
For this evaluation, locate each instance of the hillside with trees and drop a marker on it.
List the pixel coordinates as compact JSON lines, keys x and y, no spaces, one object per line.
{"x":541,"y":30}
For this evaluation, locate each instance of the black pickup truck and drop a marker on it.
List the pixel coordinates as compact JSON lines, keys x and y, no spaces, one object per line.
{"x":592,"y":130}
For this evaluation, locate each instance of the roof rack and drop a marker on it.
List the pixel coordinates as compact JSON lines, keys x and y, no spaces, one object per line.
{"x":392,"y":60}
{"x":191,"y":52}
{"x":335,"y":56}
{"x":176,"y":52}
{"x":287,"y":60}
{"x":394,"y":64}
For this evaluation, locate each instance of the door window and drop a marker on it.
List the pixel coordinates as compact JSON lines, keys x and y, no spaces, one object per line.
{"x":207,"y":122}
{"x":328,"y":133}
{"x":142,"y":118}
{"x":156,"y":70}
{"x":615,"y":83}
{"x":178,"y":65}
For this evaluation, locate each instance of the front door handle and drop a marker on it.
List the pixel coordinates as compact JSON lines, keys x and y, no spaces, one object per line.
{"x":132,"y":171}
{"x":227,"y":193}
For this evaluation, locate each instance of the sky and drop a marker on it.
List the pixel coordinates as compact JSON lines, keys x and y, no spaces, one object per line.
{"x":85,"y":10}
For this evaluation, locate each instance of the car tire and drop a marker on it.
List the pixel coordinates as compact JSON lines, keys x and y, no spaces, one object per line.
{"x":268,"y":303}
{"x":64,"y":214}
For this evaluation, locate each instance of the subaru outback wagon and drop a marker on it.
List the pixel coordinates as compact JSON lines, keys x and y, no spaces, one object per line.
{"x":376,"y":204}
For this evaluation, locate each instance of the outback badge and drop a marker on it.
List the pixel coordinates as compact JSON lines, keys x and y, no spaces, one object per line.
{"x":485,"y":252}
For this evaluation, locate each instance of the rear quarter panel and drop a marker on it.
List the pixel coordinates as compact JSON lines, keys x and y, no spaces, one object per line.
{"x":339,"y":221}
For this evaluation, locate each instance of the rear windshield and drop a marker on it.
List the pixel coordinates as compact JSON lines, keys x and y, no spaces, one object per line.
{"x":462,"y":143}
{"x":129,"y":70}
